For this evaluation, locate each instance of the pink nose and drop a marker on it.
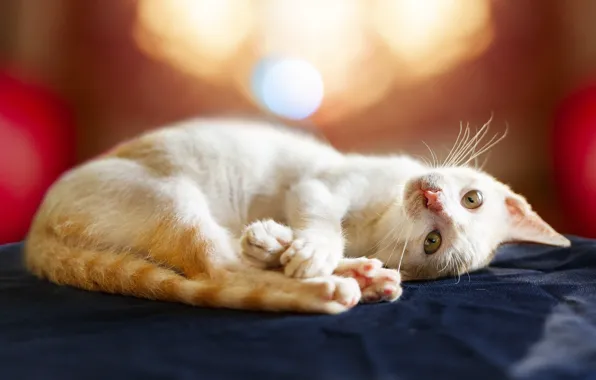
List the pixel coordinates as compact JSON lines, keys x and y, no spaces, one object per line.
{"x":432,"y":199}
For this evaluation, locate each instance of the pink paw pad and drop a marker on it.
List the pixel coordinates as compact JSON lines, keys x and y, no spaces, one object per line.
{"x":376,"y":283}
{"x":362,"y":280}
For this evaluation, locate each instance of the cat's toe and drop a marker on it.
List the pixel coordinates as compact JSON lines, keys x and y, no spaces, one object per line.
{"x":264,"y":241}
{"x":384,"y":286}
{"x":306,"y":258}
{"x":339,"y":290}
{"x":358,"y":267}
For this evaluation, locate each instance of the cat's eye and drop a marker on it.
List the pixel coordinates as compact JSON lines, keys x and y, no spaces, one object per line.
{"x":432,"y":242}
{"x":472,"y":199}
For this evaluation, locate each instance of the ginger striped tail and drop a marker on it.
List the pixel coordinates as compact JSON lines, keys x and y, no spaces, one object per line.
{"x":131,"y":275}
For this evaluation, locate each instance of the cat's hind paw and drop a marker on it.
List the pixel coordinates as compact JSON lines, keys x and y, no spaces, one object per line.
{"x":385,"y":286}
{"x":264,"y":241}
{"x":377,"y":284}
{"x":337,"y":293}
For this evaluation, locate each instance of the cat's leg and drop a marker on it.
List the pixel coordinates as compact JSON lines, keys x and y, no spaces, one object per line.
{"x":167,"y":222}
{"x":197,"y":235}
{"x":219,"y":260}
{"x":315,"y":214}
{"x":185,"y":235}
{"x":263,"y":243}
{"x":123,"y":205}
{"x":99,"y":268}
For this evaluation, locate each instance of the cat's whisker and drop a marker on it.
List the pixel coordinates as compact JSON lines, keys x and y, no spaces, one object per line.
{"x":469,"y":145}
{"x":404,"y":249}
{"x":463,"y":144}
{"x":392,"y":251}
{"x":433,"y":156}
{"x":493,"y":141}
{"x":455,"y":267}
{"x":377,"y":246}
{"x":424,"y":159}
{"x":481,"y":137}
{"x":455,"y":144}
{"x":484,"y":162}
{"x":395,"y":244}
{"x":447,"y":263}
{"x":473,"y":153}
{"x":460,"y":150}
{"x":472,"y":143}
{"x":462,"y":268}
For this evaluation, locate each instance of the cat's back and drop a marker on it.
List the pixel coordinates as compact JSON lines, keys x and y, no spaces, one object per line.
{"x":245,"y":137}
{"x":198,"y":144}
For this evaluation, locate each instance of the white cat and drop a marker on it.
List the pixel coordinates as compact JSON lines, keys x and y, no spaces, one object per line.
{"x":241,"y":214}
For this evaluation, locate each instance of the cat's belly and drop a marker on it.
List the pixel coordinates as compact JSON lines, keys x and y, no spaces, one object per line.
{"x":235,"y":216}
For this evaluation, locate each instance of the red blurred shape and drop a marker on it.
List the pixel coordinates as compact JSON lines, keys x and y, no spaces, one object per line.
{"x":575,"y":159}
{"x":36,"y":145}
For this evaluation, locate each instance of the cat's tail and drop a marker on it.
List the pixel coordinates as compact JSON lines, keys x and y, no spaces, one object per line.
{"x":131,"y":275}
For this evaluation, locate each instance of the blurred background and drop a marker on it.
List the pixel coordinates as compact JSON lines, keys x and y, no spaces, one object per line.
{"x":77,"y":77}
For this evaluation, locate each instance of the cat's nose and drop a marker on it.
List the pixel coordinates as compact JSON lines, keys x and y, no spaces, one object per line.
{"x":433,"y":201}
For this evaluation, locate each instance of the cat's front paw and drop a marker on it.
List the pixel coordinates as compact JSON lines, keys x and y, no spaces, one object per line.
{"x":264,"y":241}
{"x":312,"y":255}
{"x":377,"y":284}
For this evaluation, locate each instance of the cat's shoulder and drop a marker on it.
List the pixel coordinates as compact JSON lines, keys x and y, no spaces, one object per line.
{"x":237,"y":128}
{"x":230,"y":137}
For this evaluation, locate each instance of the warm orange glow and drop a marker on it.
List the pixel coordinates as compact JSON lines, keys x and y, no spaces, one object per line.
{"x":197,"y":36}
{"x":359,"y":47}
{"x":431,"y":36}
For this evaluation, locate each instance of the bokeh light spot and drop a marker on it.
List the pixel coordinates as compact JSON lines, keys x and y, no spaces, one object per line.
{"x":196,"y":36}
{"x":291,"y":88}
{"x":430,"y":37}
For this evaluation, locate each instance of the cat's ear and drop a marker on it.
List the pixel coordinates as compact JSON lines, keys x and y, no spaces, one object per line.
{"x":526,"y":226}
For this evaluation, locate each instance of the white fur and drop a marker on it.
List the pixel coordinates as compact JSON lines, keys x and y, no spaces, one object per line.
{"x":236,"y":173}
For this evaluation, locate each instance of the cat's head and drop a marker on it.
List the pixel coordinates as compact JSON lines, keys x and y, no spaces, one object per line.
{"x":458,"y":216}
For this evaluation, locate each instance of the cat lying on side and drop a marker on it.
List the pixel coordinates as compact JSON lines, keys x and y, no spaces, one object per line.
{"x":241,"y":214}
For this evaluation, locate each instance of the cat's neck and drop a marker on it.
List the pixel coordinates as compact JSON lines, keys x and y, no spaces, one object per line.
{"x":377,"y":192}
{"x":378,"y":181}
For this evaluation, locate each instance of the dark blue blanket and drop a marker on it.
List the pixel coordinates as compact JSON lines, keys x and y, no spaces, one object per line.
{"x":532,"y":315}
